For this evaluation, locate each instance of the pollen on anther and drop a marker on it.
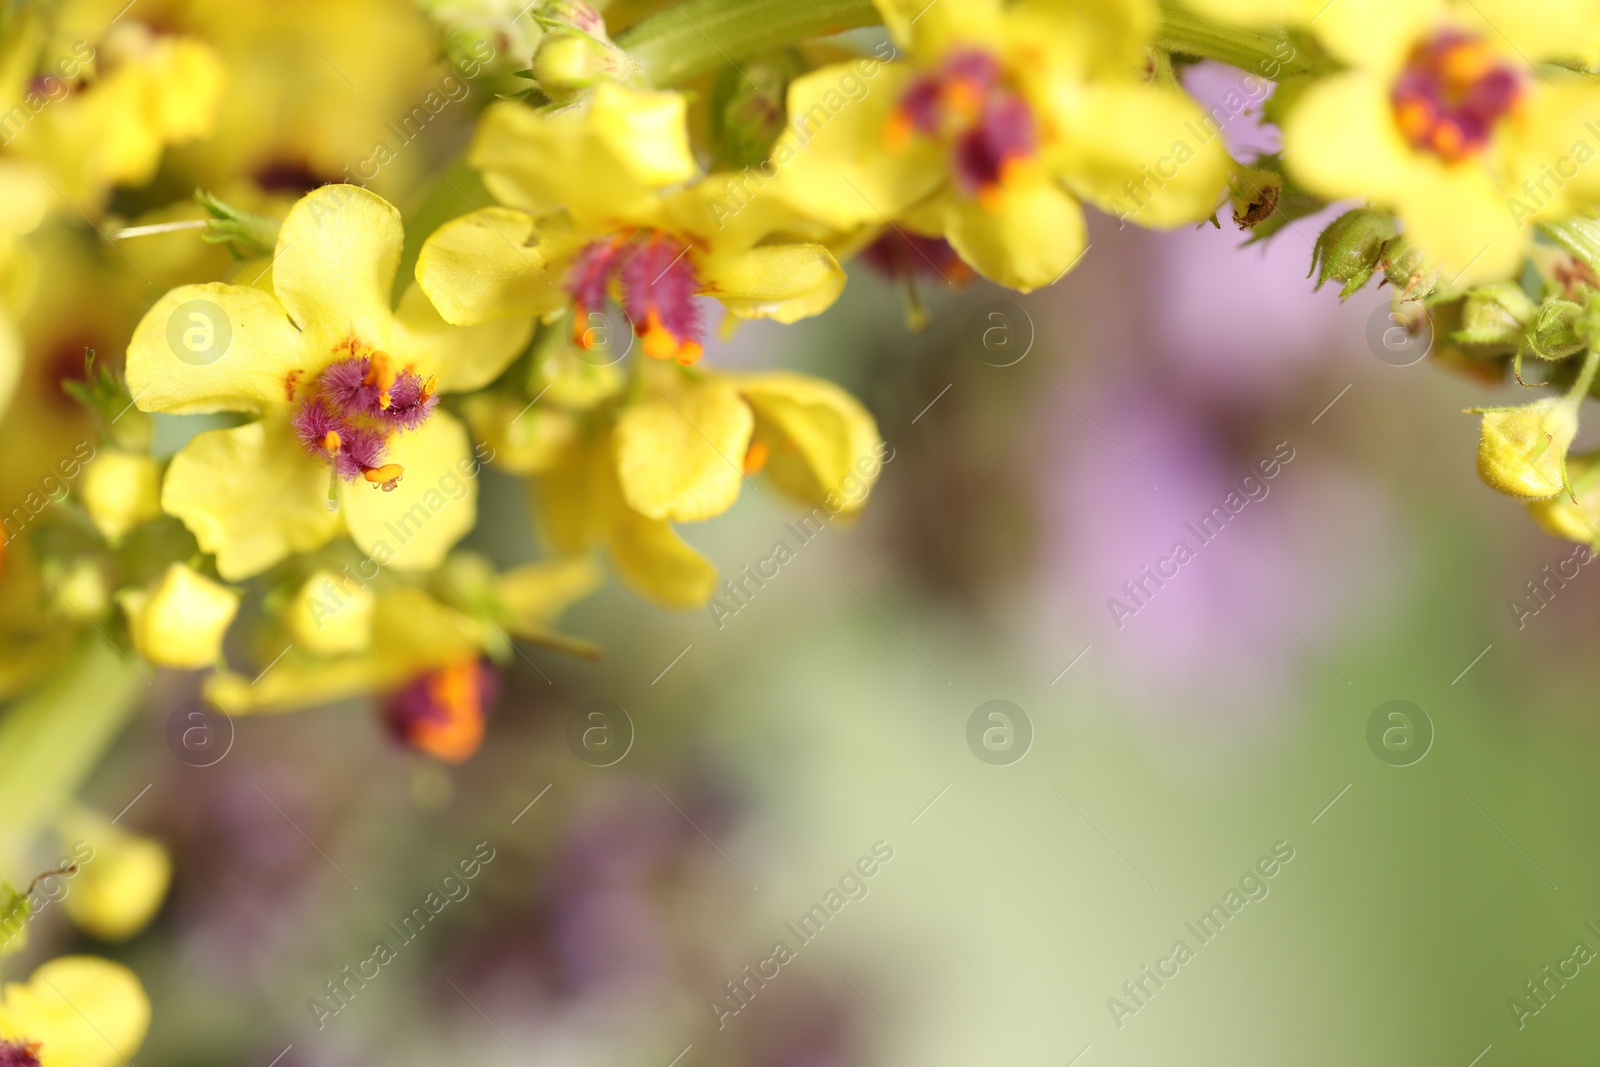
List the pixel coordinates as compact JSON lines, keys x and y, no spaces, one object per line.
{"x":385,"y":477}
{"x":332,"y":441}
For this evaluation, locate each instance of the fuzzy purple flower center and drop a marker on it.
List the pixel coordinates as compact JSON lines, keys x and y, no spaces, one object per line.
{"x":657,"y":285}
{"x":349,"y":413}
{"x":989,"y":129}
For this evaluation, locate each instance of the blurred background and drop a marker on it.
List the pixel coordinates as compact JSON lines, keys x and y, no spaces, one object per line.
{"x":956,"y":881}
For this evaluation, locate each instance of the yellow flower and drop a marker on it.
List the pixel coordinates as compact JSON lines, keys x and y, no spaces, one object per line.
{"x":116,"y":891}
{"x":682,"y":452}
{"x":589,"y":219}
{"x":1004,"y":118}
{"x":75,"y":1011}
{"x":1442,"y":119}
{"x":1574,"y":519}
{"x":181,"y":620}
{"x":121,"y":490}
{"x":344,"y":385}
{"x":98,"y":110}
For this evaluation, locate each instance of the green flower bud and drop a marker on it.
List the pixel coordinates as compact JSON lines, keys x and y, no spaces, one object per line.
{"x":1496,"y":315}
{"x":1408,"y":270}
{"x":1555,"y":334}
{"x":1523,"y":450}
{"x":1351,"y":248}
{"x":747,"y":107}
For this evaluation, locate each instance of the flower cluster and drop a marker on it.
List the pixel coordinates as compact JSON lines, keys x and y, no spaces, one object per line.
{"x":281,"y":390}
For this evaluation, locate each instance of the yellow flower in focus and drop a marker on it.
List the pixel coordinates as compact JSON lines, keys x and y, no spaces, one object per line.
{"x":1001,"y":121}
{"x":345,"y":386}
{"x":589,"y":219}
{"x":116,"y":891}
{"x":74,"y":1011}
{"x":1442,"y":120}
{"x":121,"y":490}
{"x":181,"y":620}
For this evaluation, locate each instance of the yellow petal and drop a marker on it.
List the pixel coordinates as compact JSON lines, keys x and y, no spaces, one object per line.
{"x":214,"y":347}
{"x":181,"y":620}
{"x":1139,"y":152}
{"x":1550,"y":150}
{"x":1378,"y":34}
{"x":680,"y":451}
{"x":297,"y":681}
{"x":250,"y":495}
{"x":433,"y":507}
{"x":1340,"y":140}
{"x":331,"y":614}
{"x":1462,"y":222}
{"x":1095,"y":38}
{"x":334,"y":269}
{"x":823,"y":445}
{"x":85,"y":1012}
{"x":601,"y":162}
{"x":832,"y":162}
{"x":463,"y":358}
{"x":488,"y":265}
{"x":573,"y":500}
{"x":656,"y":563}
{"x":786,"y":282}
{"x":1030,"y":236}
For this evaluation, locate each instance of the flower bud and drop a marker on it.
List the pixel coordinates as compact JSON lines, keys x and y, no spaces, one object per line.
{"x":1574,"y":520}
{"x":1350,"y":249}
{"x":1555,"y":333}
{"x":1408,"y":270}
{"x":567,"y":63}
{"x":747,"y":107}
{"x":181,"y":620}
{"x":1523,"y":450}
{"x":78,"y":587}
{"x":331,"y":615}
{"x":121,"y":490}
{"x":1496,"y":315}
{"x":117,"y":890}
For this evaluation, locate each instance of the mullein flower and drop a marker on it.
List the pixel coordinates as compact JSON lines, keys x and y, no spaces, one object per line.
{"x":117,"y":891}
{"x":345,"y":387}
{"x":591,"y":216}
{"x":683,"y":452}
{"x":1004,"y":119}
{"x":112,"y":104}
{"x":74,"y":1011}
{"x":1442,"y":119}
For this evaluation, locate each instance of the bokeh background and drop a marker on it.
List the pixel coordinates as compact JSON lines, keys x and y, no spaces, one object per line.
{"x":1147,"y":763}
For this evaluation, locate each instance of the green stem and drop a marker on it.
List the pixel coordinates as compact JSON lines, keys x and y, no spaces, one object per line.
{"x":51,"y":740}
{"x":1268,"y":52}
{"x":1581,"y":237}
{"x":696,"y":36}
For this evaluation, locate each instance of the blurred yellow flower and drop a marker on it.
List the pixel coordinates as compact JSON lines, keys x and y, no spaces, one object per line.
{"x":117,"y":891}
{"x":75,"y":1011}
{"x":1005,"y":117}
{"x":345,"y":386}
{"x":121,"y":490}
{"x":1442,"y":119}
{"x":181,"y":620}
